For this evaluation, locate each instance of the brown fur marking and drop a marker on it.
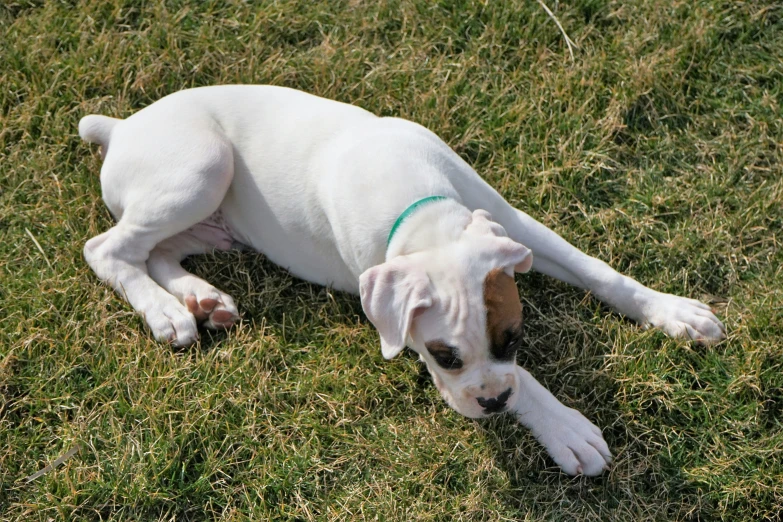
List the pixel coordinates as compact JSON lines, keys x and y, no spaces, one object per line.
{"x":504,"y":311}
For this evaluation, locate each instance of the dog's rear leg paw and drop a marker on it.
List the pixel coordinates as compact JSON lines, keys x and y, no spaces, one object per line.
{"x":214,"y":309}
{"x":171,"y":323}
{"x":685,"y":318}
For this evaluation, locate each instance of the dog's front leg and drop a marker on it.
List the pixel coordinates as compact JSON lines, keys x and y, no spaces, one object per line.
{"x":573,"y":442}
{"x":554,"y":256}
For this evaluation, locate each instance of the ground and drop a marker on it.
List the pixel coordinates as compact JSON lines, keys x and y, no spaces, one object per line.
{"x":656,"y":148}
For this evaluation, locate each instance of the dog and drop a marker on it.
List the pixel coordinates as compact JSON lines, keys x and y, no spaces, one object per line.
{"x":376,"y":206}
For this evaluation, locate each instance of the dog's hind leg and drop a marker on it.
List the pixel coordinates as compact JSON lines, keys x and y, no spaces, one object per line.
{"x":118,"y":257}
{"x":208,"y":304}
{"x":159,"y":181}
{"x":554,"y":256}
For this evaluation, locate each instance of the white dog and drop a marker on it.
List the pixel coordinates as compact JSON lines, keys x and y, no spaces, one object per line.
{"x":376,"y":206}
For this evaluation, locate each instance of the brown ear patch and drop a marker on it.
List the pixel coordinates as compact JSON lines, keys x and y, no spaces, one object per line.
{"x":504,"y":311}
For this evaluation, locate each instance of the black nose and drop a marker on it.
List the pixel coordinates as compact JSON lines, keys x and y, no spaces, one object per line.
{"x":494,"y":405}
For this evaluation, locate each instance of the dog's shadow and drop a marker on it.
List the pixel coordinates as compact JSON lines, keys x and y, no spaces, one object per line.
{"x":266,"y":293}
{"x":565,"y":346}
{"x":562,"y":349}
{"x":568,"y":347}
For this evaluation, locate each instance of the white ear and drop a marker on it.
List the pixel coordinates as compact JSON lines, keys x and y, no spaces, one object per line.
{"x":513,"y":254}
{"x":392,"y":294}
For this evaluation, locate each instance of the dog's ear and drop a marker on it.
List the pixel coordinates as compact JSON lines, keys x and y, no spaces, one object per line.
{"x":513,"y":254}
{"x":393,"y":293}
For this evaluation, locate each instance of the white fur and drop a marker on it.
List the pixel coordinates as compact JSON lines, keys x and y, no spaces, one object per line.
{"x":316,"y":186}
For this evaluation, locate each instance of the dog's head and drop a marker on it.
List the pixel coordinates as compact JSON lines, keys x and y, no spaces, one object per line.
{"x":458,"y":307}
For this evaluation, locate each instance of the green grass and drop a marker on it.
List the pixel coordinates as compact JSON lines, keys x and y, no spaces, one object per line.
{"x":657,"y":149}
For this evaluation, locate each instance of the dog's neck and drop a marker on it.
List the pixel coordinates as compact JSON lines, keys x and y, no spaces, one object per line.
{"x":431,"y":226}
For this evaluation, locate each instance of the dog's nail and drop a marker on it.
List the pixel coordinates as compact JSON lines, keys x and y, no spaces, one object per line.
{"x":579,"y":470}
{"x":208,"y":304}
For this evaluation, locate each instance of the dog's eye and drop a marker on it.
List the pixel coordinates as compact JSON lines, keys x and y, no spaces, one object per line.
{"x":449,"y":363}
{"x":506,"y":351}
{"x":444,"y":355}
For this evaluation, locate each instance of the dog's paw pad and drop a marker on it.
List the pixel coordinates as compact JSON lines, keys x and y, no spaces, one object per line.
{"x":195,"y":308}
{"x":221,"y":318}
{"x":217,"y":311}
{"x":208,"y":304}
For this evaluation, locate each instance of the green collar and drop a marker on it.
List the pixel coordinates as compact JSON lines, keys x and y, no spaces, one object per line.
{"x":408,"y":211}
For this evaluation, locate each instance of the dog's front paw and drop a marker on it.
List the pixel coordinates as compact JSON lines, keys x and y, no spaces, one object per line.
{"x":573,"y":442}
{"x":171,"y":322}
{"x":686,"y":318}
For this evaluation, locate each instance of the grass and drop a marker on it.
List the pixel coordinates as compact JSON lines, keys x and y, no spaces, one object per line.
{"x":657,"y":149}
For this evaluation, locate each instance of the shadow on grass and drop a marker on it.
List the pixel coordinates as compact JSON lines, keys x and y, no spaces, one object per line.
{"x":565,"y":350}
{"x":268,"y":295}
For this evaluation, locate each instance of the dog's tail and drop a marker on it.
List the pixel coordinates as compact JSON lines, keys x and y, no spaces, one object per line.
{"x":97,"y":129}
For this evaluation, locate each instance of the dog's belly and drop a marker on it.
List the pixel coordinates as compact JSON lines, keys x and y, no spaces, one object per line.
{"x":288,"y":233}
